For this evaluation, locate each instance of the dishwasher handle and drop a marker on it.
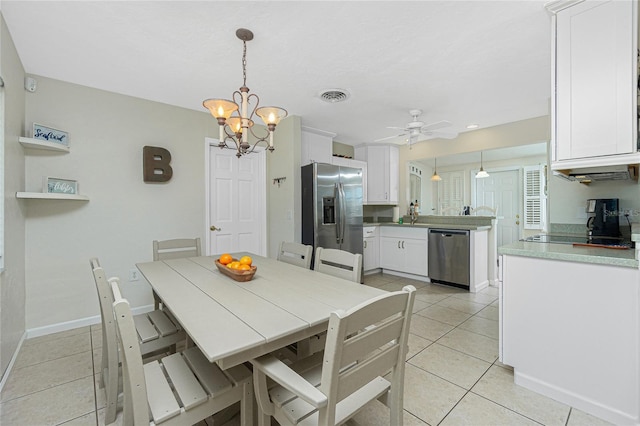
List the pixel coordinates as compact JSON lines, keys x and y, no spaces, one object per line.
{"x":449,"y":232}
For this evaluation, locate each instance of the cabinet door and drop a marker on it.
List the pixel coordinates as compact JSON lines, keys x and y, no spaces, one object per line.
{"x":315,"y":148}
{"x":370,"y":253}
{"x":415,"y":254}
{"x":391,"y":254}
{"x":595,"y":86}
{"x":377,"y":182}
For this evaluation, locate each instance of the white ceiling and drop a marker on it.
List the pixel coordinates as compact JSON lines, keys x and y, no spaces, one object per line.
{"x":484,"y":62}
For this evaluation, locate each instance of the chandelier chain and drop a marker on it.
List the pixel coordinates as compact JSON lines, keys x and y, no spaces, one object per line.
{"x":244,"y":64}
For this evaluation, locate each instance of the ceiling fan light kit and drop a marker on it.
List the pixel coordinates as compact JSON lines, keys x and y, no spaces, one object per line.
{"x":235,"y":128}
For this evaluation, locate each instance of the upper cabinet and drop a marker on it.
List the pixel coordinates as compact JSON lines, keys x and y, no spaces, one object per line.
{"x":382,"y":172}
{"x":594,"y":110}
{"x":316,"y":147}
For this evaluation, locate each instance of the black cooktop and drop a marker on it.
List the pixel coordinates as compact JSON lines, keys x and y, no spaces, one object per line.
{"x":573,"y":239}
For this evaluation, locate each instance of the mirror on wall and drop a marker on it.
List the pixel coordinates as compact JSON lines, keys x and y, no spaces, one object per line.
{"x":457,"y":171}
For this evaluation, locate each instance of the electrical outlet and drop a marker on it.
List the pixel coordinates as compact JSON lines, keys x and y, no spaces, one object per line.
{"x":134,"y":275}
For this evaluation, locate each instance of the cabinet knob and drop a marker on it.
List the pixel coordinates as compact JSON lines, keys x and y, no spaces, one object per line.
{"x":364,"y":245}
{"x":517,"y":222}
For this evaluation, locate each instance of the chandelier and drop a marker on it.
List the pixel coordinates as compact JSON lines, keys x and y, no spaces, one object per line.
{"x":233,"y":115}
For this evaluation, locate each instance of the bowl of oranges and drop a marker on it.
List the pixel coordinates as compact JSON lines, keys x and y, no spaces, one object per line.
{"x":238,"y":269}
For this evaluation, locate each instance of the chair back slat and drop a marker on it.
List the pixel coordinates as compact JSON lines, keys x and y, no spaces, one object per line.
{"x":366,"y":370}
{"x":364,"y":343}
{"x":295,"y":254}
{"x":339,"y":263}
{"x":176,"y":248}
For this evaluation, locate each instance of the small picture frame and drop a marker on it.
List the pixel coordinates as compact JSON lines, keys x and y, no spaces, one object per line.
{"x":50,"y":134}
{"x":53,"y":185}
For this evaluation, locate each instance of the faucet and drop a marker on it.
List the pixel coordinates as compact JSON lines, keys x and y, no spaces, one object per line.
{"x":414,"y":216}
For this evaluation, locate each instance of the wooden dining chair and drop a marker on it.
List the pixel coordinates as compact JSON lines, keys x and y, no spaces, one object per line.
{"x":363,"y":360}
{"x":174,"y":249}
{"x":295,"y":254}
{"x":339,"y":263}
{"x":156,"y":331}
{"x":183,"y":388}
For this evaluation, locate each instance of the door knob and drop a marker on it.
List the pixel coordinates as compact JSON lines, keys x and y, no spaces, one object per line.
{"x":213,"y":228}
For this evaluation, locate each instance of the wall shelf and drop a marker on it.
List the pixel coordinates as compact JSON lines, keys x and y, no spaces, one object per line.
{"x":40,"y":144}
{"x":51,"y":196}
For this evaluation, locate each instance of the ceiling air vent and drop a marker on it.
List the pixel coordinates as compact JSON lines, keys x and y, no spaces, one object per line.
{"x":334,"y":95}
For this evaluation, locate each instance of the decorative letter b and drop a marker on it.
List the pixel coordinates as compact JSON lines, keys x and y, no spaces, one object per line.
{"x":155,"y":164}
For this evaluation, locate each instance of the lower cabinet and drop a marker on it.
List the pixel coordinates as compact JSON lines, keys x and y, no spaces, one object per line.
{"x":404,"y":249}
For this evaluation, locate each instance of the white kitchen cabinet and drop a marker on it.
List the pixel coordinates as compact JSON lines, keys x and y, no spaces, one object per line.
{"x":316,"y":146}
{"x":383,"y":173}
{"x":370,"y":248}
{"x":594,"y":120}
{"x":356,"y":164}
{"x":404,"y":249}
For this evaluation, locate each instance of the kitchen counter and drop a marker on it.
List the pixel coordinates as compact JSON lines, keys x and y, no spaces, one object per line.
{"x":433,"y":225}
{"x":567,"y":252}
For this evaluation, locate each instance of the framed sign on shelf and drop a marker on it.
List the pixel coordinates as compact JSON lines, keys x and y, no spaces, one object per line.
{"x":50,"y":134}
{"x":59,"y":186}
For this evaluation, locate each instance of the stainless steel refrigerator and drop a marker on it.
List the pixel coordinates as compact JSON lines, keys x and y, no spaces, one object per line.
{"x":332,"y":207}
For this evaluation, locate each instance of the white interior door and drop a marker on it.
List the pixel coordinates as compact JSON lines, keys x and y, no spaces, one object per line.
{"x":502,"y":189}
{"x":236,"y":201}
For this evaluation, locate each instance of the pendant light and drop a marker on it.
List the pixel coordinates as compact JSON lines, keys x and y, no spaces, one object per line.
{"x":481,"y":174}
{"x":436,"y":177}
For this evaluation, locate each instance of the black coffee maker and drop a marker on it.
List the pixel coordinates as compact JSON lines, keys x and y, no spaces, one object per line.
{"x":603,"y":217}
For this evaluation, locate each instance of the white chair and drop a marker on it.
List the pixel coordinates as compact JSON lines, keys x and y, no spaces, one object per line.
{"x":174,"y":249}
{"x":156,"y":331}
{"x":295,"y":254}
{"x":180,"y":389}
{"x":339,"y":263}
{"x":363,"y":345}
{"x":490,"y":211}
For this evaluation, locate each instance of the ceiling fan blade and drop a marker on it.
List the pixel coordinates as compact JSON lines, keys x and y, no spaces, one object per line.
{"x":440,"y":135}
{"x":436,"y":125}
{"x":397,"y":128}
{"x":389,"y":137}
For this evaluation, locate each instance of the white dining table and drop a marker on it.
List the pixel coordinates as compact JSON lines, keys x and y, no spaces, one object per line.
{"x":233,"y":322}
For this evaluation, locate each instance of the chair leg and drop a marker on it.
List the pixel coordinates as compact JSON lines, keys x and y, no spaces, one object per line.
{"x":111,"y":393}
{"x":246,"y":404}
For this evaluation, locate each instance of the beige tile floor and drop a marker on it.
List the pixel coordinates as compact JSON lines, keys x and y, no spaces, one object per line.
{"x":452,"y":375}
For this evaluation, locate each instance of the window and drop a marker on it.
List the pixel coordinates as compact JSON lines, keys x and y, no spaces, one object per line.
{"x":535,"y":197}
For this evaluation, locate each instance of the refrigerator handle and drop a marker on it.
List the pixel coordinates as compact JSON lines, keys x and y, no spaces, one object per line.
{"x":338,"y":201}
{"x":343,"y":212}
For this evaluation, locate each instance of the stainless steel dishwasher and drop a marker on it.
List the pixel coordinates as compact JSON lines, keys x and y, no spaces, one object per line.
{"x":449,"y":257}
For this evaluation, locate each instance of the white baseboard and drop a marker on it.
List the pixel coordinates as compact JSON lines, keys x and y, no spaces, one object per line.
{"x":82,"y":322}
{"x":56,"y":328}
{"x":5,"y":376}
{"x":405,"y":275}
{"x":572,"y":399}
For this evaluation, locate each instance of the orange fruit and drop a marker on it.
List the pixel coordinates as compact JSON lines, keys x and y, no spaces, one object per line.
{"x":244,"y":267}
{"x":234,"y":265}
{"x":246,"y":260}
{"x":225,"y":259}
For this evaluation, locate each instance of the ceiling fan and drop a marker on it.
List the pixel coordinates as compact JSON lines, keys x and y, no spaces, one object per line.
{"x":416,"y":128}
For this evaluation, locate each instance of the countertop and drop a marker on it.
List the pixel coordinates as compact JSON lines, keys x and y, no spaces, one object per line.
{"x":432,"y":225}
{"x":567,"y":252}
